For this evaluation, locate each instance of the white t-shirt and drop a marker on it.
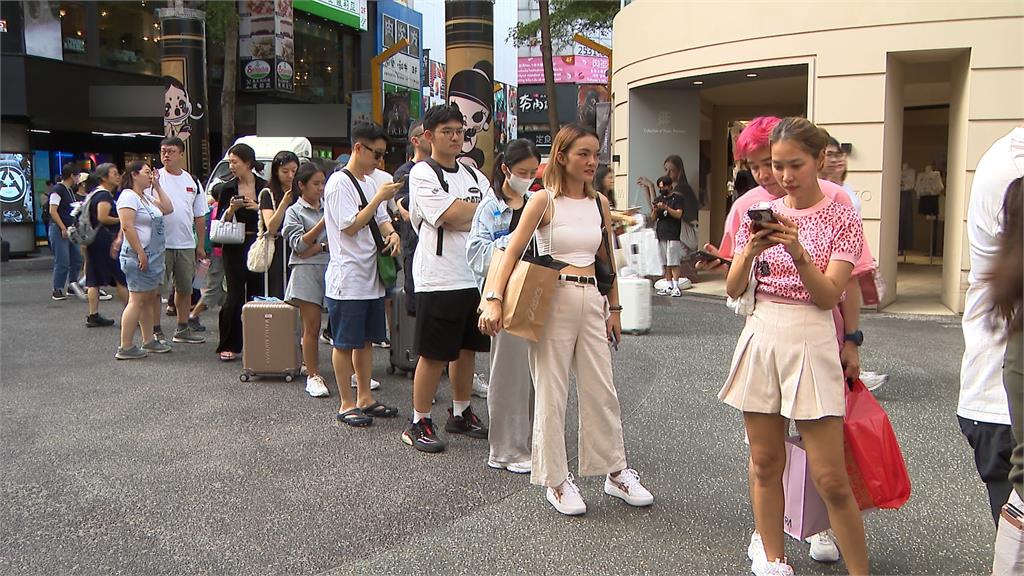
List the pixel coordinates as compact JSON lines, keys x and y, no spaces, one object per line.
{"x":352,"y":270}
{"x":428,"y":202}
{"x":982,"y":396}
{"x":189,"y":202}
{"x":144,"y":212}
{"x":854,"y":199}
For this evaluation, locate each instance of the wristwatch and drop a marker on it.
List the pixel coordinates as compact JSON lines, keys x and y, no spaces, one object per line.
{"x":492,"y":296}
{"x":857,"y":337}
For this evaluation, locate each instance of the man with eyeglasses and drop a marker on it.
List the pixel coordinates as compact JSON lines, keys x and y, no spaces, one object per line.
{"x":443,"y":197}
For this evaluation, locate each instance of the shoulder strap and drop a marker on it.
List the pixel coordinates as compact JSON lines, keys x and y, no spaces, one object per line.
{"x":261,"y":225}
{"x":374,"y":229}
{"x":604,"y":235}
{"x":444,"y":185}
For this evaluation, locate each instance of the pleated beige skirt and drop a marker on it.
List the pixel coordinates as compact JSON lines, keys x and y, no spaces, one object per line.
{"x":787,"y":362}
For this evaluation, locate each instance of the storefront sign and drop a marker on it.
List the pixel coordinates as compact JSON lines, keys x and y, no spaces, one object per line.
{"x":532,"y":104}
{"x":266,"y":45}
{"x":396,"y":22}
{"x":351,"y":13}
{"x":567,"y":69}
{"x":15,"y":188}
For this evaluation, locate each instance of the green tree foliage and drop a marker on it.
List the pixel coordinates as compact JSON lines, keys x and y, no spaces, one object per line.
{"x":568,"y":17}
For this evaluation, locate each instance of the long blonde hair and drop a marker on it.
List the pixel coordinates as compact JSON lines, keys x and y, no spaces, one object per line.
{"x":554,"y":173}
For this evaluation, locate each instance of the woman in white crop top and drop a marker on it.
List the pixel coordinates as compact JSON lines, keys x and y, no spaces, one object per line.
{"x":567,"y":215}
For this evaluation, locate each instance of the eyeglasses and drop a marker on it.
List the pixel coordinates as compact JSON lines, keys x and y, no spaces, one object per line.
{"x":449,"y":132}
{"x":377,"y":154}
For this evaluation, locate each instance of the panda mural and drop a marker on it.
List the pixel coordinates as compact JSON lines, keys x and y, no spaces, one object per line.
{"x":472,"y":91}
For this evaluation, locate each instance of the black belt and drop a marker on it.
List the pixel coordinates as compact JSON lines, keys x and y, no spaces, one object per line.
{"x":578,"y":279}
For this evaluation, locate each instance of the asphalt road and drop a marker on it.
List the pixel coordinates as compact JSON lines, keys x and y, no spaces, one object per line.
{"x":170,"y":465}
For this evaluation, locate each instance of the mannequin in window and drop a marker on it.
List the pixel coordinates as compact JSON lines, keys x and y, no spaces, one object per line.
{"x":928,"y":188}
{"x":908,"y":178}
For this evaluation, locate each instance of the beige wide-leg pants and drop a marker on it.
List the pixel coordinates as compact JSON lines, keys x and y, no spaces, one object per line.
{"x":575,"y":338}
{"x":510,"y":400}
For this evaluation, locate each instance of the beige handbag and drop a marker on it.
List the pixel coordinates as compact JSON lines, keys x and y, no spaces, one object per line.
{"x":261,"y":253}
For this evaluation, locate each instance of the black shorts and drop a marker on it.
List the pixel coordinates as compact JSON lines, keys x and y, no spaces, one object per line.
{"x":446,"y":324}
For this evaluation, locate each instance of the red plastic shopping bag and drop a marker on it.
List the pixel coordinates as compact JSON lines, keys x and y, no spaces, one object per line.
{"x":805,"y":513}
{"x":874,"y":462}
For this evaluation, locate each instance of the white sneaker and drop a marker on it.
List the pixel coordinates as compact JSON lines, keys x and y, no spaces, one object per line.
{"x":823,"y":547}
{"x":627,"y":487}
{"x":524,"y":467}
{"x":664,"y":291}
{"x":776,"y":568}
{"x":566,"y":498}
{"x":480,"y":386}
{"x":684,"y":284}
{"x":374,"y":385}
{"x":104,"y":296}
{"x":317,"y":387}
{"x":873,"y":380}
{"x":676,"y":292}
{"x":755,"y":551}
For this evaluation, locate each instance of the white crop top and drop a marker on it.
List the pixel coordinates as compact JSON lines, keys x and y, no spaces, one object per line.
{"x":574,"y":233}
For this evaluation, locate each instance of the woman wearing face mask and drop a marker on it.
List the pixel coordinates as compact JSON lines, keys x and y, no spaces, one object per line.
{"x":304,"y":232}
{"x":509,"y":402}
{"x":274,"y":201}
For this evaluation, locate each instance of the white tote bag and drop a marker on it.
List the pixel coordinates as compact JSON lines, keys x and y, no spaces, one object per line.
{"x":261,"y":254}
{"x":744,"y":305}
{"x":227,"y":231}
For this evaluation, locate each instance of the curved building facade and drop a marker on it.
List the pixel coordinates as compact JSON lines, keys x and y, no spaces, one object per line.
{"x":904,"y":86}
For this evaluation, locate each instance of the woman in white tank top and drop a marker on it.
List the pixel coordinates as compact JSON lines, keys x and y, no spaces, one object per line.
{"x":567,"y":216}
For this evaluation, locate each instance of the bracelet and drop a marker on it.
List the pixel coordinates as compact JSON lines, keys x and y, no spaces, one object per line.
{"x":615,"y":308}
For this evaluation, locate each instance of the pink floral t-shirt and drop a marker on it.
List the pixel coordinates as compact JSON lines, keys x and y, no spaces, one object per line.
{"x":828,"y":231}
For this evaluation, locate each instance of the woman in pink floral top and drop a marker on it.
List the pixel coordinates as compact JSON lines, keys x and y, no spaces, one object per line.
{"x":786,"y":364}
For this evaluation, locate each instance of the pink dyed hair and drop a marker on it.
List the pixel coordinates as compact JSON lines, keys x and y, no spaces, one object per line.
{"x":757,"y":134}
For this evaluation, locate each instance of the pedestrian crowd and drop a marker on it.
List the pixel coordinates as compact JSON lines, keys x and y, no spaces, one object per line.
{"x":793,"y":253}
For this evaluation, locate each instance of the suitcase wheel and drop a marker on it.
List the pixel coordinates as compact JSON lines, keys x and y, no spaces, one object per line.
{"x":288,"y":378}
{"x":389,"y":369}
{"x":244,"y":377}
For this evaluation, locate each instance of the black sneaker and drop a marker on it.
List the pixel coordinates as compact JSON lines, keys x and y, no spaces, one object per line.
{"x":385,"y":343}
{"x":421,"y":436}
{"x":59,"y":294}
{"x":97,"y":321}
{"x":468,"y":423}
{"x":194,"y":325}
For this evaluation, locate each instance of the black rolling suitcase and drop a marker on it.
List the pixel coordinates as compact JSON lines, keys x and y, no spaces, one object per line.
{"x":402,"y":358}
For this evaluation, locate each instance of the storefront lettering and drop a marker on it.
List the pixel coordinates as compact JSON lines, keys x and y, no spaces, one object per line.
{"x":533,"y":102}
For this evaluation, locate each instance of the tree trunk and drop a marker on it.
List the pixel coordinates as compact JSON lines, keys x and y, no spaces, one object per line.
{"x":549,"y":69}
{"x":227,"y":94}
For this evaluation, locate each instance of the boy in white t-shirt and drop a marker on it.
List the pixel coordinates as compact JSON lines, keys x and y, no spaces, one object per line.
{"x":443,"y":197}
{"x":357,"y":224}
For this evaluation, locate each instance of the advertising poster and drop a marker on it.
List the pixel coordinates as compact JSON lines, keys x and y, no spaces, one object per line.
{"x":437,"y":82}
{"x":604,"y":130}
{"x":183,"y":65}
{"x":500,"y":117}
{"x":266,"y":45}
{"x":512,"y":126}
{"x":362,"y":107}
{"x":469,"y":55}
{"x":396,"y":23}
{"x":586,"y":104}
{"x":401,"y":109}
{"x":16,"y":188}
{"x":568,"y":70}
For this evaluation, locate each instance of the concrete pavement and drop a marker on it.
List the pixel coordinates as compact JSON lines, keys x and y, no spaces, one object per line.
{"x":170,"y":465}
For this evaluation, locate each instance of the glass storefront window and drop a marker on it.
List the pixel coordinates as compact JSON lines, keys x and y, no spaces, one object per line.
{"x":129,"y":36}
{"x":73,"y":30}
{"x":317,"y":60}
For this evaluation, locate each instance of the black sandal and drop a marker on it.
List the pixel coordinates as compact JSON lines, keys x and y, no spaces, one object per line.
{"x":355,"y":418}
{"x":379,"y":410}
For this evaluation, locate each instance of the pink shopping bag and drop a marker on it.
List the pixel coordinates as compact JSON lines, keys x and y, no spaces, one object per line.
{"x":805,"y":512}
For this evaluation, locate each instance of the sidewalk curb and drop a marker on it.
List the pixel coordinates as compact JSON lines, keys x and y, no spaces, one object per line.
{"x":27,"y":264}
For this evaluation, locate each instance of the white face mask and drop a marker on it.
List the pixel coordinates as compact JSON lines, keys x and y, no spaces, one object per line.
{"x":520,"y":185}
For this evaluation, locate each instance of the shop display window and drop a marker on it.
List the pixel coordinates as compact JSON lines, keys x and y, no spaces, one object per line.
{"x":129,"y":36}
{"x":73,"y":30}
{"x":318,"y":65}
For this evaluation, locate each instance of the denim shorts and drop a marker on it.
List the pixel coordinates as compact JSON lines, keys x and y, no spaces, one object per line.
{"x":142,"y":280}
{"x":356,"y":322}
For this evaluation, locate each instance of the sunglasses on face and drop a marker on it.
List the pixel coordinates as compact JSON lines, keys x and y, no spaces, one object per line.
{"x":377,"y":154}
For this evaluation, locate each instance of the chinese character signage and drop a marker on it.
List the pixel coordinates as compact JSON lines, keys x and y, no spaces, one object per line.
{"x":532,"y":104}
{"x":266,"y":45}
{"x":396,"y":22}
{"x":352,"y":13}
